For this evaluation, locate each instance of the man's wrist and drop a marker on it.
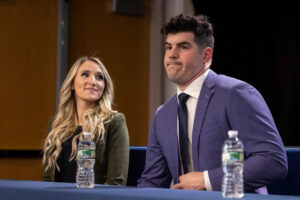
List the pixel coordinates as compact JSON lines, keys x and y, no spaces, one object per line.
{"x":207,"y":181}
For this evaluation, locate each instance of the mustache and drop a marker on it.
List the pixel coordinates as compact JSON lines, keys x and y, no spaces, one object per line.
{"x":174,"y":63}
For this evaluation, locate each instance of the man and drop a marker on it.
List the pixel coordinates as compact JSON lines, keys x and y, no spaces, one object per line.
{"x":213,"y":104}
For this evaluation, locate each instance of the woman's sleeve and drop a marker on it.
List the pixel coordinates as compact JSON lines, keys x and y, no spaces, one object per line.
{"x":117,"y":151}
{"x":47,"y":174}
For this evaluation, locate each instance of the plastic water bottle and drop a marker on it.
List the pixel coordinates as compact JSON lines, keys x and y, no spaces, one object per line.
{"x":85,"y":177}
{"x":232,"y":163}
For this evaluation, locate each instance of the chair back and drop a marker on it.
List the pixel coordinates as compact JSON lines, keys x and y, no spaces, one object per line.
{"x":291,"y":184}
{"x":137,"y":157}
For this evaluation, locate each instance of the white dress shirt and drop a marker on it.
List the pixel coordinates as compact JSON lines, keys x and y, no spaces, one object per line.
{"x":193,"y":90}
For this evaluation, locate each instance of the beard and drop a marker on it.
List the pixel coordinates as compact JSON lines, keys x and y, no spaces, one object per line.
{"x":175,"y":77}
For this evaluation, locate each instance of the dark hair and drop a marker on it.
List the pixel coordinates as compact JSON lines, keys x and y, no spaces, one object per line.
{"x":199,"y":25}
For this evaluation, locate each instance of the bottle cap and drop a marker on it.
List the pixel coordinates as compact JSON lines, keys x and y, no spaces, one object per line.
{"x":86,"y":134}
{"x":233,"y":133}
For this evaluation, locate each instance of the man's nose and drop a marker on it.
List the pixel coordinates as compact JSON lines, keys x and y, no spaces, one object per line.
{"x":173,"y":53}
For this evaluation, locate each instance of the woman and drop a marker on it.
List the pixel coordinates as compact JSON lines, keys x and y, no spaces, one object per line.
{"x":85,"y":105}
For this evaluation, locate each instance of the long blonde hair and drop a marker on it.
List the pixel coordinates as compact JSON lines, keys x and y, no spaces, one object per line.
{"x":64,"y":123}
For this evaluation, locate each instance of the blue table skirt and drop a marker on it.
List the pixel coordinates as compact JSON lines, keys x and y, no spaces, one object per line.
{"x":36,"y":190}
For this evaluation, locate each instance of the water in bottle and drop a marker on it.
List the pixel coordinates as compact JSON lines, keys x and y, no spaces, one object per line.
{"x":232,"y":163}
{"x":85,"y":162}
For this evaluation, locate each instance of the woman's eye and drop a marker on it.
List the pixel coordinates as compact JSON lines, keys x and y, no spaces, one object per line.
{"x":99,"y":77}
{"x":84,"y":74}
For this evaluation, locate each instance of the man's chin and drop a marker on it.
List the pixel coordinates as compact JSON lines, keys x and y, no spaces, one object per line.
{"x":175,"y":80}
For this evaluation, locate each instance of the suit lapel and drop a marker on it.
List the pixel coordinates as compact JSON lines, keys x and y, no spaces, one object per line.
{"x":203,"y":101}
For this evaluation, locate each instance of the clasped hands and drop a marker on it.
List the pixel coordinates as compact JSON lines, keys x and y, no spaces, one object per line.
{"x":191,"y":181}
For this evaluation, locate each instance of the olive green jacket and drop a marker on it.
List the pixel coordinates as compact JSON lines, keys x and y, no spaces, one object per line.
{"x":112,"y":155}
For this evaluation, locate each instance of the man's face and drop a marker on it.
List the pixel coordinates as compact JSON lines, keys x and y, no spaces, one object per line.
{"x":183,"y":59}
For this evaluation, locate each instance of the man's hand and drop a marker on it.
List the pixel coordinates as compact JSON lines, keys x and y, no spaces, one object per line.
{"x":191,"y":181}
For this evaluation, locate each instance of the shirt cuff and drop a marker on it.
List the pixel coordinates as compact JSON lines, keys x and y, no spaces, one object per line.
{"x":207,"y":181}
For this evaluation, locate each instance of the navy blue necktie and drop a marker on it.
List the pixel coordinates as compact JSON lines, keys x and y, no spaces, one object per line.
{"x":183,"y":131}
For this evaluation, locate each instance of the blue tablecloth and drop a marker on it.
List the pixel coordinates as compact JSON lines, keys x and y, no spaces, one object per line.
{"x":36,"y":190}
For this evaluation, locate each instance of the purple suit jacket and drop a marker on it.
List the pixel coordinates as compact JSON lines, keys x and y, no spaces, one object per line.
{"x":224,"y":104}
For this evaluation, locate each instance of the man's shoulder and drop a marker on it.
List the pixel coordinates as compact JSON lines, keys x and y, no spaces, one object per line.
{"x":236,"y":89}
{"x":227,"y":82}
{"x":169,"y":104}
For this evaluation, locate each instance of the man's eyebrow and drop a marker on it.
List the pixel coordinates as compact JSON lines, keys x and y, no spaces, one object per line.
{"x":183,"y":43}
{"x":179,"y":44}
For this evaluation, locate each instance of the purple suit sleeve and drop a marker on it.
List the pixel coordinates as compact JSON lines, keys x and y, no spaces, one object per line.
{"x":156,"y":172}
{"x":265,"y":157}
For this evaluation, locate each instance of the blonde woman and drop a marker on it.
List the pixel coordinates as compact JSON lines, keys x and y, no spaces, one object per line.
{"x":85,"y":105}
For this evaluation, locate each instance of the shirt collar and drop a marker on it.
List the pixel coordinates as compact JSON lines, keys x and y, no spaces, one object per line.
{"x":194,"y":88}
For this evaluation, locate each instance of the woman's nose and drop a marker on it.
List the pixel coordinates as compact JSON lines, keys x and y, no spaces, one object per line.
{"x":92,"y":80}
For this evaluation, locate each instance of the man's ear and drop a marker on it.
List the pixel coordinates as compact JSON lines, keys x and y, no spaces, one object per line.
{"x":207,"y":54}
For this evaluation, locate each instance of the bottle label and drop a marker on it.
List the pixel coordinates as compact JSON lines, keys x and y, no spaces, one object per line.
{"x":232,"y":157}
{"x":86,"y":154}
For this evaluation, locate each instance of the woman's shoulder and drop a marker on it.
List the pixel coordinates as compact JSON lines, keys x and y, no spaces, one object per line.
{"x":116,"y":124}
{"x":116,"y":117}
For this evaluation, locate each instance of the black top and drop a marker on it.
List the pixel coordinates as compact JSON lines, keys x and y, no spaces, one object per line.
{"x":68,"y":168}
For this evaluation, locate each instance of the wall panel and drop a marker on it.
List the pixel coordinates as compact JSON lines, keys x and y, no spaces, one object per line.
{"x":27,"y":68}
{"x":28,"y":30}
{"x":21,"y":168}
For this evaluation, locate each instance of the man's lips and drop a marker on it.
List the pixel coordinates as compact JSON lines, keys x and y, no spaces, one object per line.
{"x":174,"y":63}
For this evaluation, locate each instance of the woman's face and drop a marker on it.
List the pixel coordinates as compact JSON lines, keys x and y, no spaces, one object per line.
{"x":89,"y":83}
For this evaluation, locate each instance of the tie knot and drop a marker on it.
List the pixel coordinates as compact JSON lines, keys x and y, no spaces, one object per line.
{"x":183,"y":97}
